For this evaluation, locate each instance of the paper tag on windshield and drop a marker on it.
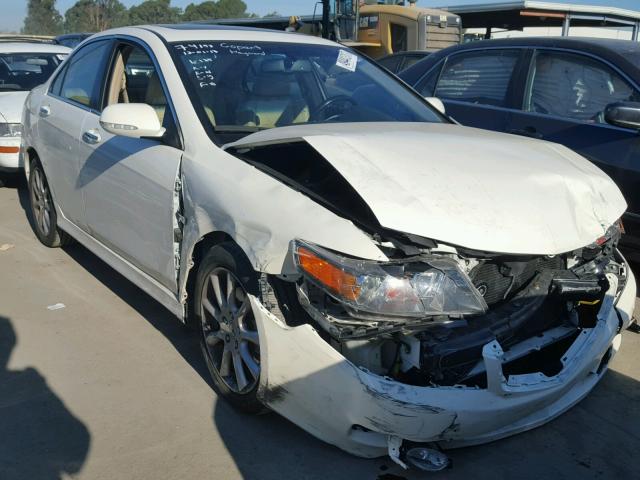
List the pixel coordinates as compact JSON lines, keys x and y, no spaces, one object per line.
{"x":347,"y":60}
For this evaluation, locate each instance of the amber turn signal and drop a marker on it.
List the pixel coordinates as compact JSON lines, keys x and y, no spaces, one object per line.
{"x":335,"y":279}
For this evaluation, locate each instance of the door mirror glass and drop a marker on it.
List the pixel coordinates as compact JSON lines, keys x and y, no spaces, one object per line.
{"x":133,"y":120}
{"x":436,"y":103}
{"x":623,"y":114}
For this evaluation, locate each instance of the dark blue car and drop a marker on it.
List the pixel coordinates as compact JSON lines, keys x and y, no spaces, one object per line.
{"x":580,"y":92}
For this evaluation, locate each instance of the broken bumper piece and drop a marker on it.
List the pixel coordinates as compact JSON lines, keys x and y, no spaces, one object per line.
{"x":314,"y":386}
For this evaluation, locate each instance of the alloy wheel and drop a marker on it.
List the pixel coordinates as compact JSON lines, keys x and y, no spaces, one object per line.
{"x":41,"y":201}
{"x":229,"y":331}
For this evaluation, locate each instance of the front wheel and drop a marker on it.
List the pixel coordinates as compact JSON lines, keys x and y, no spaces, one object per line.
{"x":227,"y":327}
{"x":43,"y":211}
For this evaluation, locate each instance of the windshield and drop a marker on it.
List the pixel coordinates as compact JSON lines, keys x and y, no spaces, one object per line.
{"x":24,"y":71}
{"x":244,"y":87}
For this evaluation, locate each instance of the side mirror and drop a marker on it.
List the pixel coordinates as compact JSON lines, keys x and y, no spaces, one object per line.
{"x":623,"y":114}
{"x":436,"y":103}
{"x":133,"y":120}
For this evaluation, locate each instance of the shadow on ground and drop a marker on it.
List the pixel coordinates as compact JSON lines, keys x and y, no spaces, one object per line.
{"x":39,"y":437}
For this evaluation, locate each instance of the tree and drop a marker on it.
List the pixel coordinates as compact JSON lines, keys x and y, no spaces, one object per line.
{"x":211,"y":9}
{"x":154,"y":11}
{"x":42,"y":18}
{"x":95,"y":15}
{"x":231,"y":9}
{"x":203,"y":11}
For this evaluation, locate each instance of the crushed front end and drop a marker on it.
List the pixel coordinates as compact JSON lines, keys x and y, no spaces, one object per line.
{"x":440,"y":344}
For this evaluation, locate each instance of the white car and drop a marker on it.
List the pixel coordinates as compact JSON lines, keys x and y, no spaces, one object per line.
{"x":350,"y":258}
{"x":23,"y":66}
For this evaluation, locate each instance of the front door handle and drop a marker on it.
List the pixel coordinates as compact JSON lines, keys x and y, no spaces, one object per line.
{"x":45,"y":111}
{"x":527,"y":132}
{"x":91,"y":137}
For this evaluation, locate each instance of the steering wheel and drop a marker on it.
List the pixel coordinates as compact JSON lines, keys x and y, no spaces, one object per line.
{"x":330,"y":102}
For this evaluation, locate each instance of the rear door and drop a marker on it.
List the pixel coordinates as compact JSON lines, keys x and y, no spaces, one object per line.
{"x":479,"y":87}
{"x":564,"y":102}
{"x":129,"y":183}
{"x":75,"y":92}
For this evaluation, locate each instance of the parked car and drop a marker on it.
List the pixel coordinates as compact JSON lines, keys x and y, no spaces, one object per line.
{"x":23,"y":66}
{"x":71,"y":40}
{"x":583,"y":93}
{"x":397,"y":62}
{"x":349,"y":258}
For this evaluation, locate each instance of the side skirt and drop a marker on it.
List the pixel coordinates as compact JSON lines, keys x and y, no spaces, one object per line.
{"x":132,"y":273}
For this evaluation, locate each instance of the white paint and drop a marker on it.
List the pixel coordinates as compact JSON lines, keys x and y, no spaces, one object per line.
{"x":468,"y":187}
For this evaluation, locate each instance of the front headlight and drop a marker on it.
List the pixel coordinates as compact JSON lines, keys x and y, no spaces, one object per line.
{"x":10,"y":129}
{"x":428,"y":286}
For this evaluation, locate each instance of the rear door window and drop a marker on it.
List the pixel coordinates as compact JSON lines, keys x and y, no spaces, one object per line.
{"x":480,"y":77}
{"x":574,"y":86}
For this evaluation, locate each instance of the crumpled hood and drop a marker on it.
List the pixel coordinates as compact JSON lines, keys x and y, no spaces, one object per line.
{"x":11,"y":104}
{"x":467,"y":187}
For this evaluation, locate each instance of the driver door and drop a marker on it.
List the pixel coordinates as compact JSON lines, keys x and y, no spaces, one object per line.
{"x":129,"y":183}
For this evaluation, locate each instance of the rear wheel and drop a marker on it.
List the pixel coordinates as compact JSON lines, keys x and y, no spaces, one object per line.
{"x":227,"y":327}
{"x":43,"y":211}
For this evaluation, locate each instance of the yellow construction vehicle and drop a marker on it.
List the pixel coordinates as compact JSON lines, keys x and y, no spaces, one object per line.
{"x":385,"y":29}
{"x":375,"y":28}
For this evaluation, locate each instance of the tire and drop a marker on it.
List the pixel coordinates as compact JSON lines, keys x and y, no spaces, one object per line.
{"x":43,"y":211}
{"x":226,"y":326}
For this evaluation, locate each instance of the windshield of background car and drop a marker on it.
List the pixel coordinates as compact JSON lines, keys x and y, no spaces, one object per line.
{"x":25,"y":71}
{"x":244,"y":87}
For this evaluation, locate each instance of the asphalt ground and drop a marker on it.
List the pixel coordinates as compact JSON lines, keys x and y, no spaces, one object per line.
{"x":112,"y":386}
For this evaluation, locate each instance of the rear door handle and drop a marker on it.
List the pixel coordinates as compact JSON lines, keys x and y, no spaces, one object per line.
{"x":91,"y":137}
{"x":527,"y":132}
{"x":45,"y":111}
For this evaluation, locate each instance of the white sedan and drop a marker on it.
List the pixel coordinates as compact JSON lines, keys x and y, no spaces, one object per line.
{"x":349,"y":257}
{"x":23,"y":66}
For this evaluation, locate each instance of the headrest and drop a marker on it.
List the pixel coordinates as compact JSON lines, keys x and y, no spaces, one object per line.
{"x":272,"y":86}
{"x":272,"y":65}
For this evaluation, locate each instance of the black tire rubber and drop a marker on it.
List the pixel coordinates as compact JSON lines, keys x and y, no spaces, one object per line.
{"x":56,"y":237}
{"x":230,"y":256}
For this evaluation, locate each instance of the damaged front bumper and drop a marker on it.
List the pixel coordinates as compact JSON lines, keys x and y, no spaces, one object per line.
{"x":307,"y":381}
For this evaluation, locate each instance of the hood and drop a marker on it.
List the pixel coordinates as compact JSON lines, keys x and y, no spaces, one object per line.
{"x":466,"y":187}
{"x":11,"y":104}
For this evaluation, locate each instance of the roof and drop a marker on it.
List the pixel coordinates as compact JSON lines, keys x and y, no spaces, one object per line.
{"x":188,"y":32}
{"x":518,"y":14}
{"x":32,"y":47}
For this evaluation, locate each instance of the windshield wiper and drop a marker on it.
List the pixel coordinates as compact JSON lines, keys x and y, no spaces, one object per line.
{"x":237,"y":129}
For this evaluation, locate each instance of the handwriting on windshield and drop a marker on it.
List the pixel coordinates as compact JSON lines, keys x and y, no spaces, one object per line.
{"x":202,"y":58}
{"x":245,"y":50}
{"x":200,"y":62}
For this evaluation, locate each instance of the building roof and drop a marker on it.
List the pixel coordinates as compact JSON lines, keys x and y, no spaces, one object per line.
{"x":515,"y":15}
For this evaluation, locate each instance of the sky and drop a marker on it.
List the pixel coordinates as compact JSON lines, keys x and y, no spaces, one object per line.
{"x":14,"y":11}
